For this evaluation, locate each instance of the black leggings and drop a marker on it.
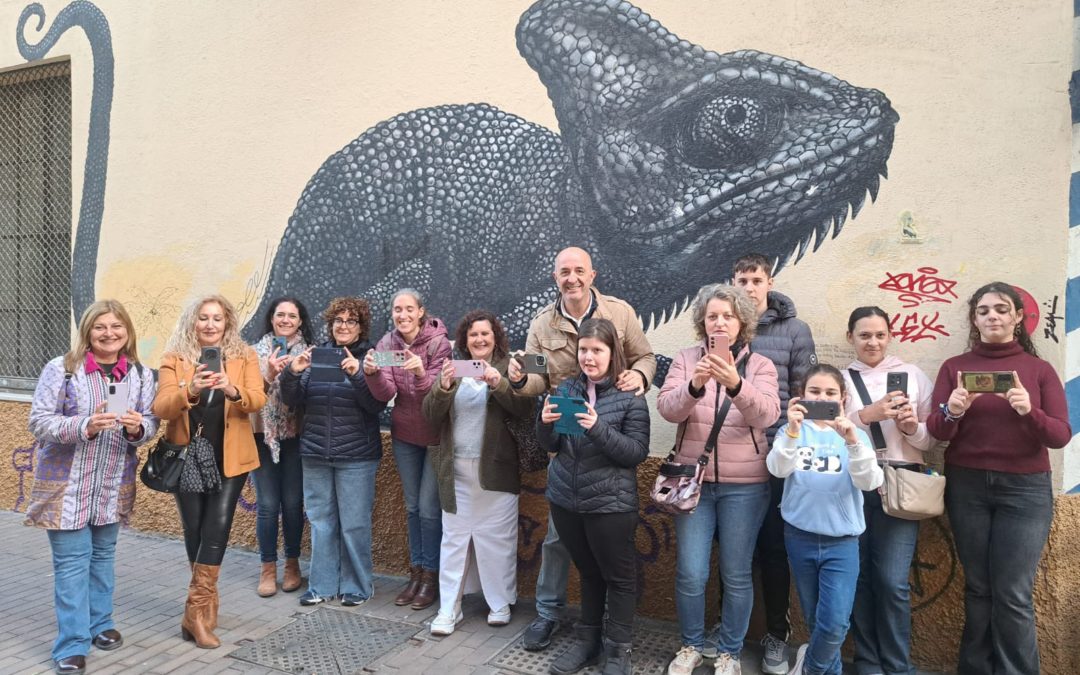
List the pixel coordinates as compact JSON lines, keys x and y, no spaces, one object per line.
{"x":602,"y":548}
{"x":207,"y":519}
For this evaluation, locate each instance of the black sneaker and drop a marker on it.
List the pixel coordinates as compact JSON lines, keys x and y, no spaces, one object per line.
{"x":352,"y":599}
{"x":310,"y":598}
{"x":538,"y":635}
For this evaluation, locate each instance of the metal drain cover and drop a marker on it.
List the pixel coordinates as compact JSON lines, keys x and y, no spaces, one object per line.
{"x":653,"y":650}
{"x":327,"y":641}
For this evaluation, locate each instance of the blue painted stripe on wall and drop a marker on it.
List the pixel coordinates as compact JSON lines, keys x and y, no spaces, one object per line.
{"x":1074,"y":95}
{"x":1072,"y":308}
{"x":1072,"y":396}
{"x":1074,"y":198}
{"x":1076,"y":7}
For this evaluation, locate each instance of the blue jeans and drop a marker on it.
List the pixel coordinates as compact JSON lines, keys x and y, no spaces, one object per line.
{"x":881,"y":620}
{"x":83,"y":582}
{"x":340,"y":495}
{"x":554,"y":575}
{"x":279,"y":488}
{"x":423,"y":513}
{"x":732,"y":512}
{"x":826,"y":570}
{"x":1000,"y":523}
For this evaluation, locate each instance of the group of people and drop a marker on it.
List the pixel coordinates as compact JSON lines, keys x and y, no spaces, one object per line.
{"x":798,"y":496}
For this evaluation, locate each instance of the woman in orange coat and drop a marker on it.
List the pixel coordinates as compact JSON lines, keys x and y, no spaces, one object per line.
{"x":192,"y":396}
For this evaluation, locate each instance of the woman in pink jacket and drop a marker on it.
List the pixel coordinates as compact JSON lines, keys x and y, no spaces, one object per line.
{"x":735,"y":494}
{"x":424,"y":342}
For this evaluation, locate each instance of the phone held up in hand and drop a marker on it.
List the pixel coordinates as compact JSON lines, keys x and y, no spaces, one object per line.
{"x":533,"y":363}
{"x":211,"y":358}
{"x":468,"y":368}
{"x":988,"y":382}
{"x":326,"y":364}
{"x":896,"y":382}
{"x":117,"y":401}
{"x":821,"y":410}
{"x":568,"y":407}
{"x":279,"y":346}
{"x":720,"y":345}
{"x":390,"y":359}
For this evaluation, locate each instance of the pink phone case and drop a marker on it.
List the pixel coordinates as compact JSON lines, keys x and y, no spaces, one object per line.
{"x":468,"y":368}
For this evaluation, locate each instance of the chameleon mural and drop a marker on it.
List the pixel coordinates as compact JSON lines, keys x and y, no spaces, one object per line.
{"x":671,"y":161}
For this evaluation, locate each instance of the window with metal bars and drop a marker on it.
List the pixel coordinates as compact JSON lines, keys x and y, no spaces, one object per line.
{"x":35,"y":220}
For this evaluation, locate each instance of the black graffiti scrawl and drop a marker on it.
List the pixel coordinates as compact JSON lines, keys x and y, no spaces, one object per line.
{"x":85,"y":15}
{"x":672,"y":160}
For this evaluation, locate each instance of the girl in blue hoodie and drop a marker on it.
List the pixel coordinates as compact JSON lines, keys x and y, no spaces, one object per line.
{"x":827,"y":464}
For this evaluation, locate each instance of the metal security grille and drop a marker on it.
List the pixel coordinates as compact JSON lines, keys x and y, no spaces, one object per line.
{"x":35,"y":220}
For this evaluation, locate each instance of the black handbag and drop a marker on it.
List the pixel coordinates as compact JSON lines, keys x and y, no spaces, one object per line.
{"x":163,"y":466}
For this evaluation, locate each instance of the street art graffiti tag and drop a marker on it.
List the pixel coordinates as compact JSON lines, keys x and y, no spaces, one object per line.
{"x":1052,"y":317}
{"x":914,"y":289}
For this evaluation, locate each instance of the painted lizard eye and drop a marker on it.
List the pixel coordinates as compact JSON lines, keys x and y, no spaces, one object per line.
{"x":730,"y":130}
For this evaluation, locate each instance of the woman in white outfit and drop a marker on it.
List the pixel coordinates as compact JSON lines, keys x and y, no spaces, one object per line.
{"x":476,"y":465}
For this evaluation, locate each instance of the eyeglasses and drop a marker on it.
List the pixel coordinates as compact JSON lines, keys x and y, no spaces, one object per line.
{"x":348,"y":323}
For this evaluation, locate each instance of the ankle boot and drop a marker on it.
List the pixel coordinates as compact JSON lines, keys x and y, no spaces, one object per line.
{"x":405,"y":597}
{"x":428,"y":591}
{"x":585,"y":651}
{"x":617,"y":658}
{"x":267,"y":580}
{"x":200,"y":610}
{"x":292,"y":579}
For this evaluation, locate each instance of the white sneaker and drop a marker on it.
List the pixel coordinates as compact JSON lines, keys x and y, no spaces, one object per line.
{"x":727,"y":664}
{"x":685,"y":661}
{"x":499,"y":617}
{"x":797,"y":668}
{"x":444,"y":625}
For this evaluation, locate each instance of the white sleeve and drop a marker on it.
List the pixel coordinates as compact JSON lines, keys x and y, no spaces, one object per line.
{"x":781,"y":459}
{"x":863,"y":467}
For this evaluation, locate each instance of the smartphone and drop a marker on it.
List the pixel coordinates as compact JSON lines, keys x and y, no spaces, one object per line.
{"x":211,"y":358}
{"x":391,"y":359}
{"x":468,"y":368}
{"x":568,"y":406}
{"x":326,"y":364}
{"x":988,"y":382}
{"x":896,"y":382}
{"x":279,"y":345}
{"x":534,"y":363}
{"x":720,"y":345}
{"x":821,"y":410}
{"x":117,"y":401}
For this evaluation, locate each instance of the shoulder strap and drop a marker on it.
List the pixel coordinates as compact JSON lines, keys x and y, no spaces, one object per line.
{"x":722,"y":412}
{"x":61,"y":396}
{"x":875,"y":427}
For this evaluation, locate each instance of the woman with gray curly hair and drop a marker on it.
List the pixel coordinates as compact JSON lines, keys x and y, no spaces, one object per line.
{"x":192,"y":396}
{"x":723,"y":397}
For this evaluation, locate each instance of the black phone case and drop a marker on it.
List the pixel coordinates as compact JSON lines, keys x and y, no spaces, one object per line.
{"x":211,"y":358}
{"x":896,"y":382}
{"x":821,"y":410}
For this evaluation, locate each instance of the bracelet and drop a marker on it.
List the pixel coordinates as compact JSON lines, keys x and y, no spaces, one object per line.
{"x":789,"y":434}
{"x":949,"y":417}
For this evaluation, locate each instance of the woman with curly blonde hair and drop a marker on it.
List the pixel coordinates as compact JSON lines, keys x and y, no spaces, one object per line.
{"x":192,"y":396}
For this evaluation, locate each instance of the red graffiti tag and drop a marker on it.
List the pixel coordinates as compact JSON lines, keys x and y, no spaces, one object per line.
{"x":913,"y":289}
{"x":916,"y":326}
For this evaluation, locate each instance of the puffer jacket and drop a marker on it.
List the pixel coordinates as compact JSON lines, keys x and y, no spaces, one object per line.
{"x":741,"y":447}
{"x":788,"y":343}
{"x":341,"y":419}
{"x":597,"y":472}
{"x":407,"y":422}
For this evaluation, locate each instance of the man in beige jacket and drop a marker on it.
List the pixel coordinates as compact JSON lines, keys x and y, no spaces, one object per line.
{"x":553,"y":333}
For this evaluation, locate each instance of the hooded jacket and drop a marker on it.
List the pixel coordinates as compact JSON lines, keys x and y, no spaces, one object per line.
{"x":407,"y":422}
{"x":741,"y":446}
{"x":341,"y":419}
{"x":788,"y":343}
{"x":899,"y":447}
{"x":596,"y":472}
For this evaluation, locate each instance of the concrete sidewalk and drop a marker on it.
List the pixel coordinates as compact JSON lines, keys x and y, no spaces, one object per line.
{"x":269,"y":635}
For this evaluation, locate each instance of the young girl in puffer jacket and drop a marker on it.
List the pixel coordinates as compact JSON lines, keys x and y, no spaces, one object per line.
{"x":592,"y":490}
{"x":826,"y":465}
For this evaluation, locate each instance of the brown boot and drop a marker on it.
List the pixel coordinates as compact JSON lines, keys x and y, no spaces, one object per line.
{"x":428,"y":591}
{"x":406,"y":596}
{"x":200,"y":610}
{"x":292,"y":579}
{"x":267,"y":580}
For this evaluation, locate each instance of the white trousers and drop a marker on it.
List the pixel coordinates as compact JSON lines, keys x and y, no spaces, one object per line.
{"x":479,"y":540}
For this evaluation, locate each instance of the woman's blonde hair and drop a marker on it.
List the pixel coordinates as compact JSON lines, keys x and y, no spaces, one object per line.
{"x":86,"y":324}
{"x":184,"y":342}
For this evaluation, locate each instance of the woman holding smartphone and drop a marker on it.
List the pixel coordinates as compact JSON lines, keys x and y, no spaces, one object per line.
{"x":881,"y":619}
{"x":999,"y":495}
{"x":279,"y":480}
{"x":476,"y":464}
{"x":735,"y":495}
{"x":217,"y":399}
{"x":340,"y":448}
{"x":85,"y":457}
{"x":592,"y":490}
{"x":423,"y":341}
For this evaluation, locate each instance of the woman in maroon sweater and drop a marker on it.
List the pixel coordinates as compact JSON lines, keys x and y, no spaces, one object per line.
{"x":999,"y":495}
